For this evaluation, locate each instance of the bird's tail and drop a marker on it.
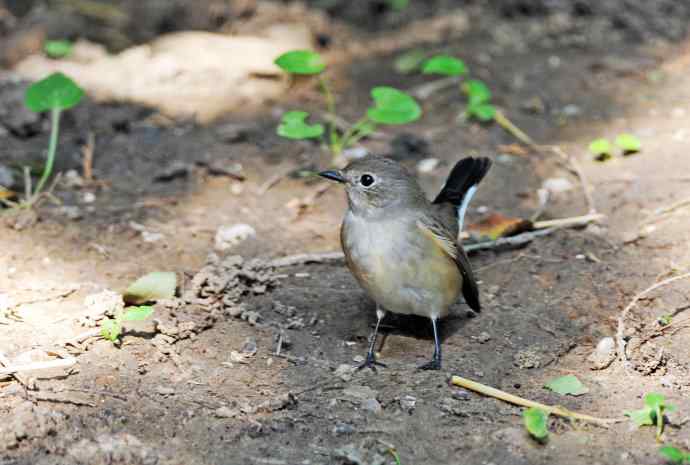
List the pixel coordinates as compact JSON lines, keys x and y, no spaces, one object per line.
{"x":462,"y":184}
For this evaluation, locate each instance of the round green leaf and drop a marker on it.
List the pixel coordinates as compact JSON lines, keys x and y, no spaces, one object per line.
{"x":294,"y":126}
{"x":628,"y":143}
{"x":138,"y":313}
{"x":477,"y":92}
{"x":55,"y":91}
{"x":568,"y":384}
{"x":482,"y":111}
{"x":444,"y":65}
{"x":110,"y":330}
{"x":601,"y":148}
{"x":393,"y":106}
{"x":535,"y":422}
{"x":152,"y":286}
{"x":673,"y":454}
{"x":301,"y":62}
{"x":57,"y":48}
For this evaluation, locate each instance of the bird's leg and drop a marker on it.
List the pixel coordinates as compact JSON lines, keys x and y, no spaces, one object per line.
{"x":435,"y":363}
{"x":371,"y":362}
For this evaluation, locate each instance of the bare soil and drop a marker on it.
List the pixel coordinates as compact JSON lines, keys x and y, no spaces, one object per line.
{"x":189,"y":389}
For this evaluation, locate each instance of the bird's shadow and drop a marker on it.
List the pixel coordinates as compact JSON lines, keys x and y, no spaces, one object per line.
{"x":420,"y":327}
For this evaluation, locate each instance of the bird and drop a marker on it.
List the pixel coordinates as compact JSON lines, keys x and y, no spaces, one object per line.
{"x":401,"y":247}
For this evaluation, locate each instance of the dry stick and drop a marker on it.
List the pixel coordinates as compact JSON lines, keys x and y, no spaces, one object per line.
{"x":60,"y":363}
{"x":87,"y":152}
{"x":665,"y":210}
{"x":620,"y":332}
{"x":542,"y":228}
{"x":516,"y":400}
{"x":25,"y":381}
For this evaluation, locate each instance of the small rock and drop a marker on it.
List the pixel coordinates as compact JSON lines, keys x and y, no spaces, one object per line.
{"x":89,"y":197}
{"x":571,"y":110}
{"x":372,"y":405}
{"x":408,"y":403}
{"x":483,"y":337}
{"x":73,"y":179}
{"x":604,"y":354}
{"x":358,"y":359}
{"x":230,"y":235}
{"x":226,"y":412}
{"x":165,"y":391}
{"x":343,"y":428}
{"x":461,"y":394}
{"x":427,"y":165}
{"x":557,"y":185}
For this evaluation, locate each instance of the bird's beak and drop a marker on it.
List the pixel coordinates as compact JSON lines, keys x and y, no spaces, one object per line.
{"x":333,"y":175}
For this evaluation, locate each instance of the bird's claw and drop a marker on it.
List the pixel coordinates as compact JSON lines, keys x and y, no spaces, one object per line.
{"x":371,"y":362}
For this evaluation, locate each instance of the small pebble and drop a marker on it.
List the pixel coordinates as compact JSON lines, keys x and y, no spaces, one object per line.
{"x":461,"y":394}
{"x":483,"y":337}
{"x":89,"y":197}
{"x":408,"y":403}
{"x":226,"y":412}
{"x":343,"y":428}
{"x":427,"y":165}
{"x":228,"y":236}
{"x":372,"y":405}
{"x":165,"y":390}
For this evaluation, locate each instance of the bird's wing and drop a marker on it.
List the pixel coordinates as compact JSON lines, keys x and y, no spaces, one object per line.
{"x":441,"y":227}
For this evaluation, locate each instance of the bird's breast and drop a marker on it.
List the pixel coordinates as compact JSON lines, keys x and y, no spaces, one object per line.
{"x":402,"y":270}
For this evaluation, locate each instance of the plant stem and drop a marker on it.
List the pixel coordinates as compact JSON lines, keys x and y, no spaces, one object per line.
{"x":52,"y":147}
{"x":330,"y":107}
{"x":513,"y":399}
{"x":506,"y":124}
{"x":351,"y":135}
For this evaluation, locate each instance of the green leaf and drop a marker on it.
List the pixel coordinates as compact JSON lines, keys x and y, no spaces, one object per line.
{"x":601,"y":149}
{"x":301,"y":62}
{"x":444,"y":65}
{"x":673,"y":454}
{"x":535,"y":422}
{"x":654,"y":400}
{"x":57,"y":48}
{"x":482,"y":111}
{"x":642,"y":417}
{"x":293,"y":126}
{"x":628,"y":143}
{"x":393,"y":106}
{"x":398,"y":5}
{"x":409,"y":61}
{"x":110,"y":330}
{"x":152,"y":286}
{"x":477,"y":92}
{"x":55,"y":91}
{"x":137,"y":313}
{"x":568,"y":384}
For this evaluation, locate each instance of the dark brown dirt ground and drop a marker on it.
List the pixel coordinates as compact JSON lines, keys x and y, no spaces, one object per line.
{"x":621,"y":67}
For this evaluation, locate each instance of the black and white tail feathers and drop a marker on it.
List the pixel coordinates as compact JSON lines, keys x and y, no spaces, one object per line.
{"x":462,"y":184}
{"x":458,"y":191}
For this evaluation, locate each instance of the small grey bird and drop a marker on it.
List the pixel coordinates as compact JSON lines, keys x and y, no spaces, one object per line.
{"x":402,"y":248}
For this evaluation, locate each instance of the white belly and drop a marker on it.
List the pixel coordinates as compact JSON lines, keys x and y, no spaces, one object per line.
{"x":401,"y":269}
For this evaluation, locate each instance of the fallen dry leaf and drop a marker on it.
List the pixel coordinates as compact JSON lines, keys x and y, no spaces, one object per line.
{"x":497,"y":225}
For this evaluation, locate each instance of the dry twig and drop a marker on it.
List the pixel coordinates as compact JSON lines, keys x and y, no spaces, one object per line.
{"x":516,"y":400}
{"x":620,"y":332}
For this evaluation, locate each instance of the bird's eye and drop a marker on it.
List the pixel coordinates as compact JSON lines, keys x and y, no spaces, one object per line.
{"x":366,"y":180}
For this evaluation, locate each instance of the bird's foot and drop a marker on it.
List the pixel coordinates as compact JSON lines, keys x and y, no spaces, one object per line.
{"x":434,"y":364}
{"x":371,"y":362}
